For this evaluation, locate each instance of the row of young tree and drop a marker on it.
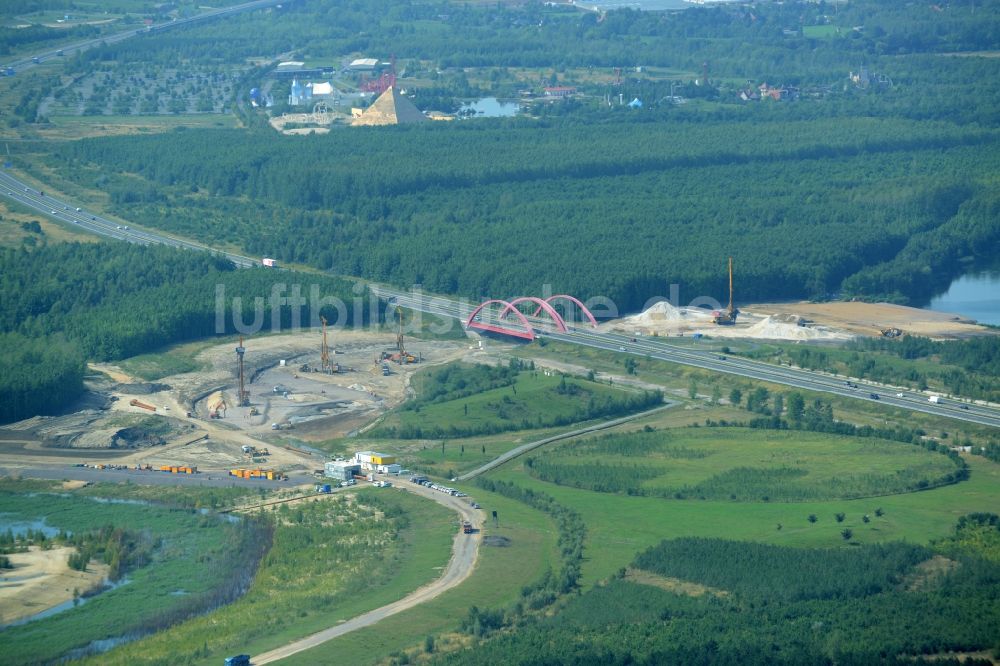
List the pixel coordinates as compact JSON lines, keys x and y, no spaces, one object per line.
{"x":769,"y":605}
{"x":68,"y":303}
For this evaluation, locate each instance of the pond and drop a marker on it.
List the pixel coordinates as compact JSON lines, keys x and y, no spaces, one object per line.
{"x":975,"y":295}
{"x":489,"y":107}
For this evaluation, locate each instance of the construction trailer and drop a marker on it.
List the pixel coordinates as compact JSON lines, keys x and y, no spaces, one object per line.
{"x":727,"y":318}
{"x":178,"y":469}
{"x":268,"y":474}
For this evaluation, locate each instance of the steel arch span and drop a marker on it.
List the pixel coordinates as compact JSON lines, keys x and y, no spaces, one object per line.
{"x":566,"y":297}
{"x":528,"y":333}
{"x":542,"y":305}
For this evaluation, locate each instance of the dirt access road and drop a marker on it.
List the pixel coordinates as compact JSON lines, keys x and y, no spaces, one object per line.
{"x":464,"y":553}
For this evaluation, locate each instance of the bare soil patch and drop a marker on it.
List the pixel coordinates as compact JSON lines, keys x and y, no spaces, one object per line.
{"x":675,"y":585}
{"x":872,"y":318}
{"x":42,"y":579}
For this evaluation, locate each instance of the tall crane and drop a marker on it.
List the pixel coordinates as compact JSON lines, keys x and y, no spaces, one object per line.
{"x":244,"y":396}
{"x":399,"y":333}
{"x":727,"y":318}
{"x":324,"y":354}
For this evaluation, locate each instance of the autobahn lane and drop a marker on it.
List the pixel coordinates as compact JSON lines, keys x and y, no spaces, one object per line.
{"x":16,"y":190}
{"x":714,"y":361}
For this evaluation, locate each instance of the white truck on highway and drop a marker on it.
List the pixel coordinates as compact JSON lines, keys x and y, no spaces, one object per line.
{"x":936,"y":399}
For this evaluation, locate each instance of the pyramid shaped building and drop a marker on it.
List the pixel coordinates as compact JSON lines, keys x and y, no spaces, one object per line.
{"x":391,"y":108}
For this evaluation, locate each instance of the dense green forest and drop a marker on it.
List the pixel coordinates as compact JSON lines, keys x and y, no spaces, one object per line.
{"x":797,"y":208}
{"x":102,"y":301}
{"x":877,"y":191}
{"x":772,"y":605}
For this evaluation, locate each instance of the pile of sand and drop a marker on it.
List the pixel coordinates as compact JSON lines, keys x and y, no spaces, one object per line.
{"x":778,"y":328}
{"x":662,"y":312}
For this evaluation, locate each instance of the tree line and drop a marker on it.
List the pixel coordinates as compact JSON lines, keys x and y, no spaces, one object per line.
{"x":69,"y":303}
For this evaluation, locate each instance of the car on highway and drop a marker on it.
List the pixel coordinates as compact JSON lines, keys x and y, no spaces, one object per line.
{"x":54,"y":213}
{"x":900,"y":395}
{"x":873,"y":396}
{"x":621,"y":349}
{"x":78,"y":210}
{"x":722,"y":358}
{"x":963,"y":406}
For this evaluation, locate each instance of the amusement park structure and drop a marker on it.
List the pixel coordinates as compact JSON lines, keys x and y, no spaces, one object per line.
{"x":385,"y":80}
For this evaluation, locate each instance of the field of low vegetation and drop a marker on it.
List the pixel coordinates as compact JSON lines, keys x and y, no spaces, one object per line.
{"x":462,"y":401}
{"x":171,"y":563}
{"x":318,"y":571}
{"x":892,"y":603}
{"x":742,"y":465}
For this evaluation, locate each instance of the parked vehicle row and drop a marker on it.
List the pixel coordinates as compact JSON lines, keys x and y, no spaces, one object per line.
{"x":424,"y":481}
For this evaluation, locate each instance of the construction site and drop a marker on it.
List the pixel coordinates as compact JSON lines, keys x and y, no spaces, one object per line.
{"x":249,"y":413}
{"x":795,"y":322}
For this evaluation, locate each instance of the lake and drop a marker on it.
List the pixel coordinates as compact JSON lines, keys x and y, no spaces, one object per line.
{"x":976,"y":295}
{"x":490,"y":107}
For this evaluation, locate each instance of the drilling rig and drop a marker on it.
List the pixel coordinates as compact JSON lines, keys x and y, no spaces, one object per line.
{"x":727,"y":318}
{"x":324,"y":354}
{"x":244,"y":396}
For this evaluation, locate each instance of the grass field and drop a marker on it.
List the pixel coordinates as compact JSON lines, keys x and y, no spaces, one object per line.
{"x":80,"y":127}
{"x":500,"y":574}
{"x":192,"y":548}
{"x":13,"y":234}
{"x":619,"y":526}
{"x":675,"y":380}
{"x":534,"y":400}
{"x":170,"y":361}
{"x":820,"y":31}
{"x":340,"y":561}
{"x":741,"y":464}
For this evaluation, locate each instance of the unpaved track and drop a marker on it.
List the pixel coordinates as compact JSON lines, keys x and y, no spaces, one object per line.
{"x":465,"y":551}
{"x":524,"y":448}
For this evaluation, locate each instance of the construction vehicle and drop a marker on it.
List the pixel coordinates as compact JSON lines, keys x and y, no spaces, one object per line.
{"x":254,"y":411}
{"x":891,"y":332}
{"x":135,"y":403}
{"x":466,"y":527}
{"x":727,"y":318}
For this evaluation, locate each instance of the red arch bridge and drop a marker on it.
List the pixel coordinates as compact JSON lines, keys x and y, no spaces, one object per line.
{"x":507,"y":317}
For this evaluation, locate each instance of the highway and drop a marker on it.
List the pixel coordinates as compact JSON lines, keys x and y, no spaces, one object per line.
{"x":657,"y":348}
{"x":661,"y":349}
{"x":65,"y":211}
{"x":28,"y":62}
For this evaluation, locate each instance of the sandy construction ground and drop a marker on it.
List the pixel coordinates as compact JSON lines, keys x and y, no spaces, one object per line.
{"x":871,"y":318}
{"x":307,"y":406}
{"x":803,"y":321}
{"x":41,"y":579}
